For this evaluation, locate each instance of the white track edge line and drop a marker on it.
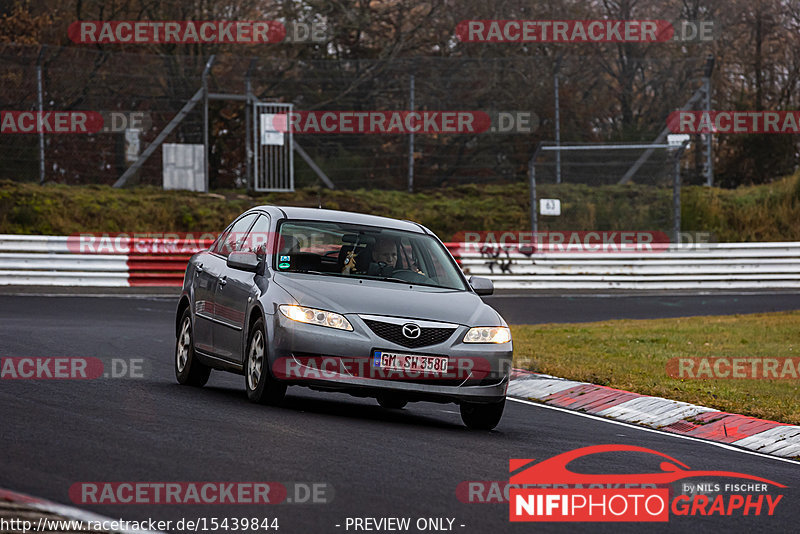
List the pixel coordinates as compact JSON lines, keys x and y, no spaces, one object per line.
{"x":76,"y":514}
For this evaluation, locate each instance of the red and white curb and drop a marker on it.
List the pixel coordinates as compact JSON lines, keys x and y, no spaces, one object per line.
{"x":61,"y":510}
{"x":758,"y":435}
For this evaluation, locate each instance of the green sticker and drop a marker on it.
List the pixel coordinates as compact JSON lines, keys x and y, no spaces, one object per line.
{"x":283,"y":265}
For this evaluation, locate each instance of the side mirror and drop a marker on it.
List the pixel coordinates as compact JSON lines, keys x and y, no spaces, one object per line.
{"x":482,"y":286}
{"x":243,"y":261}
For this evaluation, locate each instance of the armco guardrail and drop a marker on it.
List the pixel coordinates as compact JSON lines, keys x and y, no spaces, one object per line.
{"x":699,"y":266}
{"x":54,"y":260}
{"x":57,"y":261}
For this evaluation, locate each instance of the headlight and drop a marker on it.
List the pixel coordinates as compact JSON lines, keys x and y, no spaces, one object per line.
{"x":302,"y":314}
{"x":488,"y":334}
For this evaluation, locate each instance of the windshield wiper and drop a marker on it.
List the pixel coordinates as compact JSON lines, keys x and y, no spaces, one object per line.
{"x":393,"y":279}
{"x":311,"y":272}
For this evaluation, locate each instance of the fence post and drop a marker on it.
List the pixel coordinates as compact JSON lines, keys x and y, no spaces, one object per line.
{"x":557,"y":120}
{"x":205,"y":121}
{"x":532,"y":187}
{"x":532,"y":179}
{"x":40,"y":90}
{"x":709,"y":170}
{"x":248,"y":151}
{"x":676,"y":193}
{"x":411,"y":139}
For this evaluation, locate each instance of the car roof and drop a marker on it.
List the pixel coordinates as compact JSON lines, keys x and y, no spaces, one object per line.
{"x":318,"y":214}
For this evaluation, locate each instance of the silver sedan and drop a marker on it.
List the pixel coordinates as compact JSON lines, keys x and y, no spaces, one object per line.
{"x":338,"y":301}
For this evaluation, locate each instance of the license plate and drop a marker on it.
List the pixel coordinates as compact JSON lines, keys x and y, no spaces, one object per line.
{"x":410,"y":362}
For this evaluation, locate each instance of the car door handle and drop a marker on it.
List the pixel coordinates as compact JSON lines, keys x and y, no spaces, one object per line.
{"x":222,"y":280}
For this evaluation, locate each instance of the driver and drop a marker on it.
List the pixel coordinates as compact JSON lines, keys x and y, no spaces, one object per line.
{"x":385,"y":251}
{"x":384,"y":259}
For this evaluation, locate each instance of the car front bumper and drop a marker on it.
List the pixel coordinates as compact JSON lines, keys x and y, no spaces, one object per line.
{"x":338,"y":360}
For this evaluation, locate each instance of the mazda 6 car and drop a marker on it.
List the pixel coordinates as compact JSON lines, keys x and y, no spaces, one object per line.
{"x":337,"y":301}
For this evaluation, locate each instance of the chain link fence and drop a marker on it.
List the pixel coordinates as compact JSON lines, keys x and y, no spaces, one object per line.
{"x":637,"y":183}
{"x":517,"y":93}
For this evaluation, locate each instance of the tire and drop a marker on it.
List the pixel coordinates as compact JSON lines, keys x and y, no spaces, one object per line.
{"x":261,"y":386}
{"x":188,"y":369}
{"x":482,"y":416}
{"x":391,"y":402}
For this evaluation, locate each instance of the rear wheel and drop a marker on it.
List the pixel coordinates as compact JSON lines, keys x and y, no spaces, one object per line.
{"x":391,"y":402}
{"x":482,"y":416}
{"x":261,"y":386}
{"x":188,"y":370}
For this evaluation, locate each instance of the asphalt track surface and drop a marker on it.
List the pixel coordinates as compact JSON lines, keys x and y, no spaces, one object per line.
{"x":375,"y":463}
{"x":526,"y":309}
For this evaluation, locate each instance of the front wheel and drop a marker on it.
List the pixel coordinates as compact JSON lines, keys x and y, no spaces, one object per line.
{"x":188,"y":370}
{"x":482,"y":416}
{"x":261,"y":386}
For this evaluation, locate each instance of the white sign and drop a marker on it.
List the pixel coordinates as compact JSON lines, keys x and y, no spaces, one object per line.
{"x":184,"y":166}
{"x":677,"y":140}
{"x":549,"y":206}
{"x":132,"y":144}
{"x":269,"y":135}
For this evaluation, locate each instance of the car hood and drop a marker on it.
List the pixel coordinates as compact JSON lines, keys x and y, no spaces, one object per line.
{"x":374,"y":297}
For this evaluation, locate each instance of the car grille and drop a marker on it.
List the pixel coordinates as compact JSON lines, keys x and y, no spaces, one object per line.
{"x":394,"y":333}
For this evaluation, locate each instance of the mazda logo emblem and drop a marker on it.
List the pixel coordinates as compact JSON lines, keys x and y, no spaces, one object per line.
{"x":411,"y":331}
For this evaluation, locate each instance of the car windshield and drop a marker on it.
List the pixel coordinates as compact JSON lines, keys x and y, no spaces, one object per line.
{"x":367,"y":252}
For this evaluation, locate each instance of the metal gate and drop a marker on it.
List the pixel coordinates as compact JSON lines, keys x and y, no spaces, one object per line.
{"x":273,"y":161}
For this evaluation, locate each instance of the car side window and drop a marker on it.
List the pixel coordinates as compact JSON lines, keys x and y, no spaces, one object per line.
{"x":258,"y":238}
{"x":235,"y":238}
{"x":215,"y":246}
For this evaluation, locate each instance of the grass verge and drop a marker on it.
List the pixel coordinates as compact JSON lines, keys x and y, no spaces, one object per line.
{"x":632,"y":355}
{"x":768,"y":212}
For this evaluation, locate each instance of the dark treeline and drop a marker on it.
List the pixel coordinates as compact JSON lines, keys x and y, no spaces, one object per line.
{"x":614,"y":92}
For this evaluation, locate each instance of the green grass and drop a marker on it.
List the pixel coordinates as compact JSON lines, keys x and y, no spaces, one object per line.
{"x":768,"y":212}
{"x":633,"y":354}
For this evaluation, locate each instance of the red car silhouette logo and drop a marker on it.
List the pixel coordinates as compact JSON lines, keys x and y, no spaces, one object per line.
{"x":555,"y":471}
